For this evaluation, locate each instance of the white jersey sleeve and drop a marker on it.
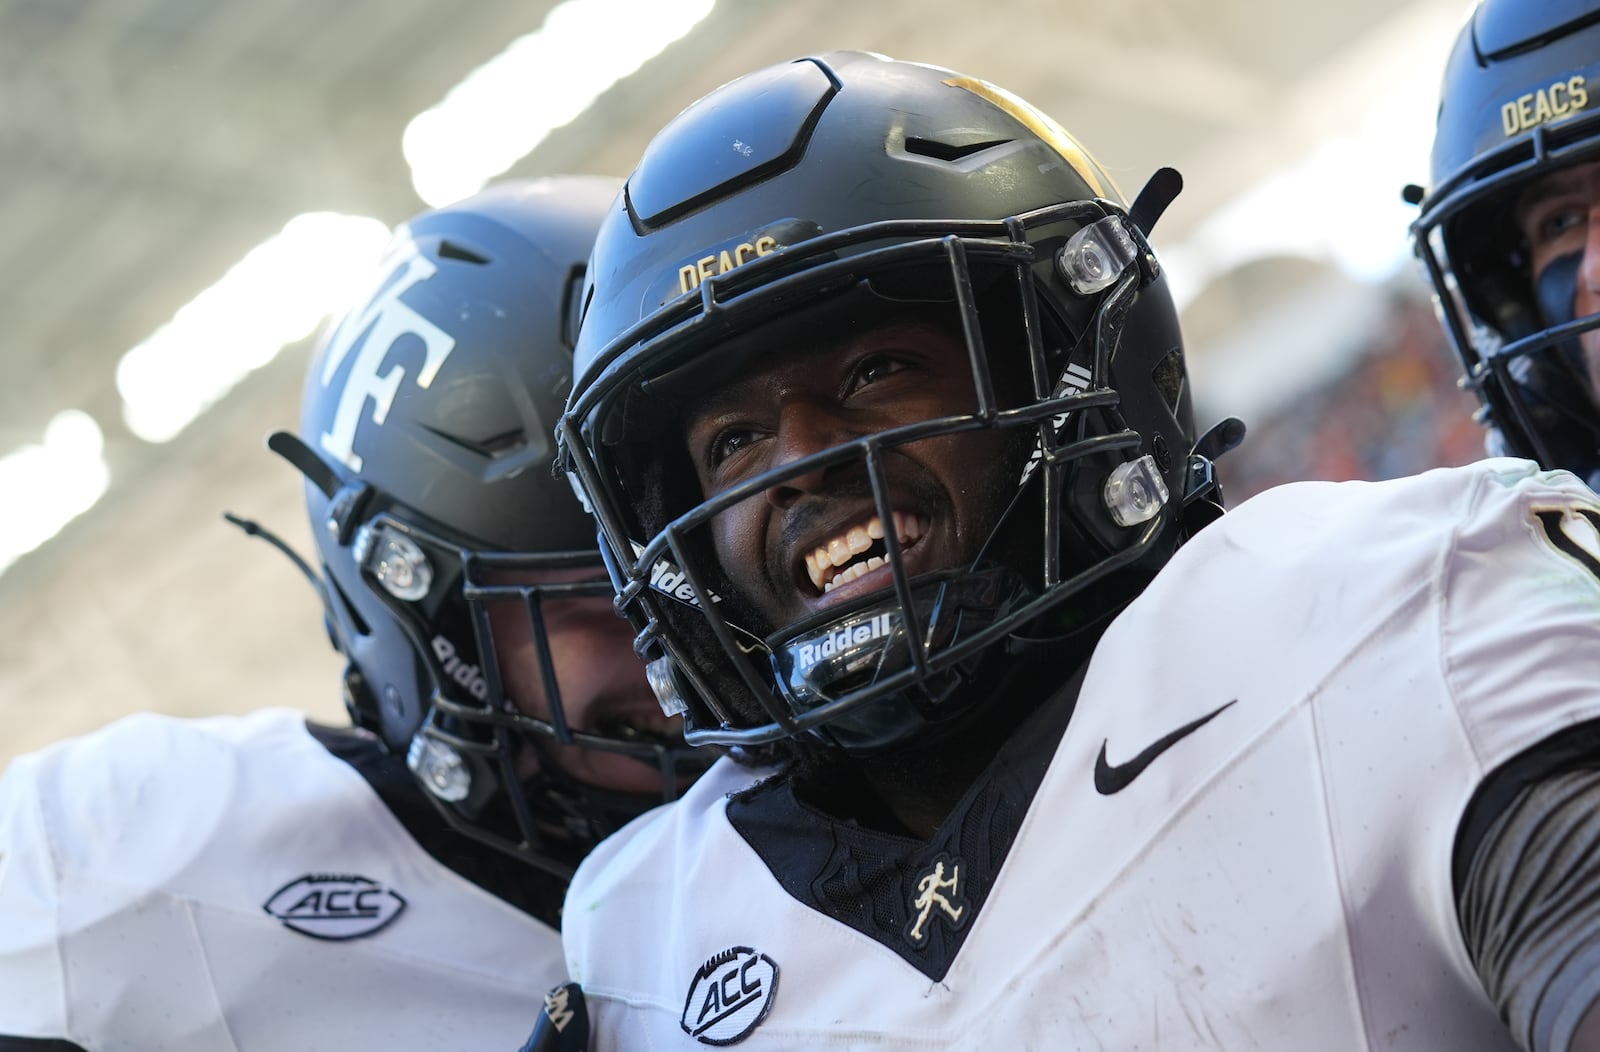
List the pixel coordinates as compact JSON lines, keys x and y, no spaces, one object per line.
{"x":32,"y":973}
{"x":1242,"y":839}
{"x":227,"y":883}
{"x":1520,"y":601}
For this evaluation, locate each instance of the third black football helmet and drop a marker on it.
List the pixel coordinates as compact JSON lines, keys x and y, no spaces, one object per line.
{"x":1520,"y":103}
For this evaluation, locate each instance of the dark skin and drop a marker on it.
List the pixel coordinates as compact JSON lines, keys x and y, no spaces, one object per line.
{"x":943,"y":490}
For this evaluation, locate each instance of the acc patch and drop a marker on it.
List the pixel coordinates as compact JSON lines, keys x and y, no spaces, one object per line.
{"x":334,"y":906}
{"x":730,"y":995}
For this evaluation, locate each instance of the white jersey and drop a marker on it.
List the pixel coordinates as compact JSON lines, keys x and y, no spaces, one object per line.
{"x":1243,"y":838}
{"x":228,"y":884}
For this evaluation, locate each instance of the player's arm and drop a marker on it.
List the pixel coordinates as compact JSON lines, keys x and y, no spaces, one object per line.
{"x":1528,"y":894}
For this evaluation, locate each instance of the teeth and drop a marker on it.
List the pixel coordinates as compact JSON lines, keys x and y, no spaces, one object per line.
{"x":909,"y":527}
{"x":821,"y":561}
{"x":851,"y":573}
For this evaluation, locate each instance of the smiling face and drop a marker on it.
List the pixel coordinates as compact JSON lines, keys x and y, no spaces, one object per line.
{"x":814,"y":539}
{"x":602,"y":684}
{"x":1559,"y":218}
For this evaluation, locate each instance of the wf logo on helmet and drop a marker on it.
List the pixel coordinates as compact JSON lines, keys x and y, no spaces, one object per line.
{"x":384,"y":322}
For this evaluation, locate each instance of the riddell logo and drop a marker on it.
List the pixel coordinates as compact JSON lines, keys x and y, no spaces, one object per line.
{"x":334,"y":906}
{"x":1074,"y":380}
{"x":671,"y":581}
{"x":730,"y":995}
{"x":808,"y":654}
{"x":468,"y":676}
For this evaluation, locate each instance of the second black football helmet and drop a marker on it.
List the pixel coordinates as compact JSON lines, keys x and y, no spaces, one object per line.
{"x":426,"y":439}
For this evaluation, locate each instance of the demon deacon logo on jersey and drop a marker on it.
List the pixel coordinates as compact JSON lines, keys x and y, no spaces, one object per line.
{"x":731,"y":993}
{"x":334,"y":906}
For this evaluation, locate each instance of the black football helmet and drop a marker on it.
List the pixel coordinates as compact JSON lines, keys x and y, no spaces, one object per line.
{"x":1520,"y":100}
{"x":426,"y":442}
{"x":817,"y":197}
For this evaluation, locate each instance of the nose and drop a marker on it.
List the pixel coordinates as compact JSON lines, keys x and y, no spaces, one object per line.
{"x":804,"y":427}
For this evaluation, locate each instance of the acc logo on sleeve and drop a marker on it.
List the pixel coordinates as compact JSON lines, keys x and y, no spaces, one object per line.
{"x":334,"y":906}
{"x":731,"y":993}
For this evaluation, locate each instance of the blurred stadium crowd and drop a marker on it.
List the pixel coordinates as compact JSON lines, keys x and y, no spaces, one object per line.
{"x":1395,"y":409}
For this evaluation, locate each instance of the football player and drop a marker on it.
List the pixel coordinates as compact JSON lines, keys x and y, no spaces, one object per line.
{"x":258,"y":883}
{"x":882,"y":408}
{"x":1509,"y":230}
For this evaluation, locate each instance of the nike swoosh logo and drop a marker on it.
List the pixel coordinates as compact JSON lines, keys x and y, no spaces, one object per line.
{"x":1109,"y":778}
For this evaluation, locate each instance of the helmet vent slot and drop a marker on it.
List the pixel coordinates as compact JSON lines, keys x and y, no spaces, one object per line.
{"x":450,"y":250}
{"x":949,"y":151}
{"x":574,"y":304}
{"x":491,"y":446}
{"x":1169,"y":378}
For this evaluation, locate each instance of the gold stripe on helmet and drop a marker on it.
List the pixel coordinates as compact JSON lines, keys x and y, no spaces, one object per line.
{"x":1046,"y":128}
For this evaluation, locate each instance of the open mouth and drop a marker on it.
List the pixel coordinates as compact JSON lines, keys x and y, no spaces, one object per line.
{"x":859,"y":550}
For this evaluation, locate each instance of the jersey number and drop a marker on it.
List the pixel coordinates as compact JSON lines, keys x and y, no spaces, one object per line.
{"x":1552,"y":520}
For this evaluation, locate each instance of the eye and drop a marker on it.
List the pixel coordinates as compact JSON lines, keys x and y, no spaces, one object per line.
{"x":727,"y":443}
{"x":1553,"y":221}
{"x":1559,"y":222}
{"x":874,"y":368}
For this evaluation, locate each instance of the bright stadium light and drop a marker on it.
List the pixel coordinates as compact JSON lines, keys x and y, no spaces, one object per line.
{"x":508,"y":105}
{"x":50,"y":484}
{"x":272,"y":297}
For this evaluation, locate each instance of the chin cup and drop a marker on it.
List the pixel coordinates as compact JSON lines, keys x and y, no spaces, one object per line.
{"x":849,"y":652}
